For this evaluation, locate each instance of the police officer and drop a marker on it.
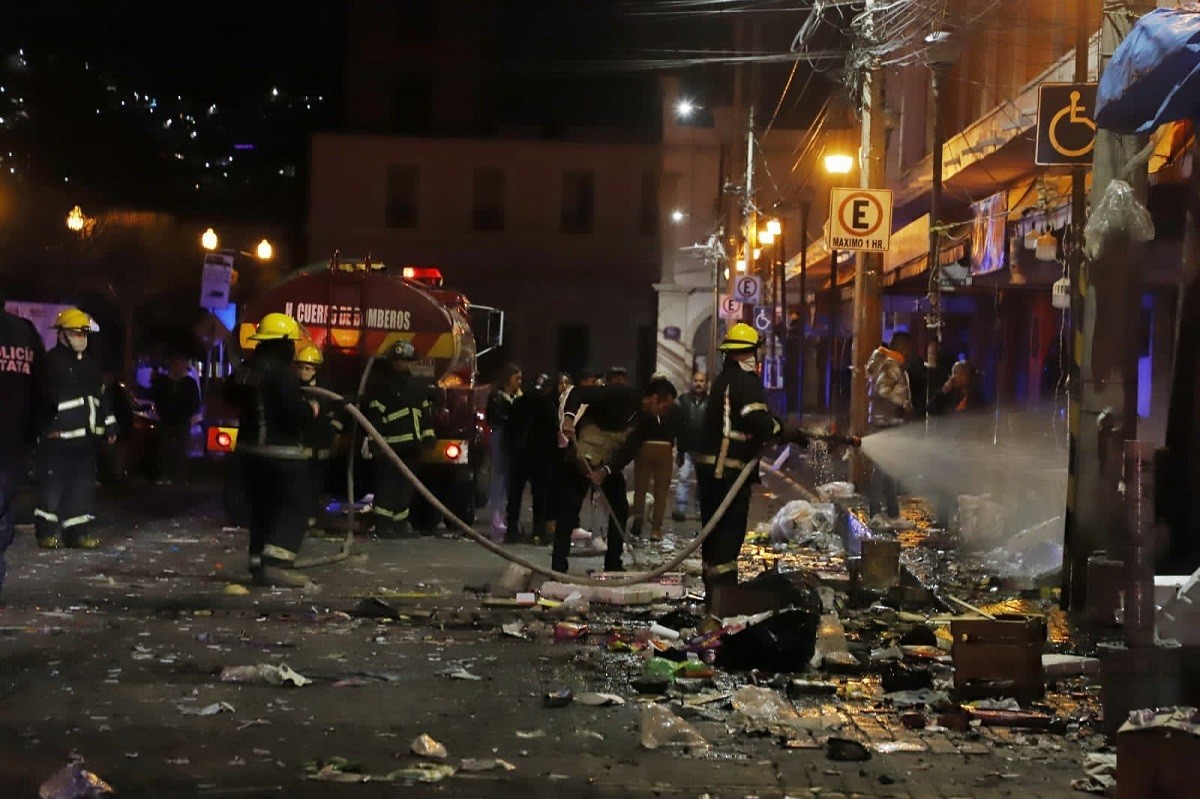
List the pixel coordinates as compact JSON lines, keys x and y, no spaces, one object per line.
{"x":321,"y":433}
{"x":67,"y":452}
{"x":25,"y":404}
{"x":737,"y":422}
{"x":399,"y":407}
{"x":273,"y":417}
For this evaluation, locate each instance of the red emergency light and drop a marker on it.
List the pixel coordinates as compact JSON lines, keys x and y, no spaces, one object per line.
{"x":452,"y":452}
{"x":428,"y":275}
{"x":222,"y":439}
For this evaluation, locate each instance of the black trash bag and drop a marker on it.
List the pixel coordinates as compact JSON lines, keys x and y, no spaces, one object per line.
{"x":784,"y":642}
{"x":793,"y":589}
{"x":899,"y":676}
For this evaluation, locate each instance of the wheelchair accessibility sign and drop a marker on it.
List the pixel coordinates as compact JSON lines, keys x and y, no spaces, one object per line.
{"x":1066,"y":128}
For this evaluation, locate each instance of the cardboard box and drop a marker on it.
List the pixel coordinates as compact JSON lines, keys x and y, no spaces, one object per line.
{"x":1001,"y":658}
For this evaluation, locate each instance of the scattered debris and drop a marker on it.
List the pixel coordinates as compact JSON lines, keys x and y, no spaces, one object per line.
{"x":490,"y":764}
{"x":557,"y":699}
{"x":236,"y":589}
{"x":1101,"y":770}
{"x":73,"y":781}
{"x":425,"y":746}
{"x":846,"y":750}
{"x":599,"y":700}
{"x":208,"y":710}
{"x":268,"y":673}
{"x":662,"y":728}
{"x":459,"y":673}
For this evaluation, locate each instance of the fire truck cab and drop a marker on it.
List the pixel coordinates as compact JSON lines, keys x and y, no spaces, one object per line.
{"x":354,"y":310}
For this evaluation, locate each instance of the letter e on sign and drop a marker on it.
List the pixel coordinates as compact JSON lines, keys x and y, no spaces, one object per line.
{"x":860,"y":219}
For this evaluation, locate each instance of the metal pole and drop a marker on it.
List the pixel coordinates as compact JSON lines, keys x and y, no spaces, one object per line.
{"x":868,"y":273}
{"x":750,"y":212}
{"x":802,"y":337}
{"x":934,"y":322}
{"x":1071,"y":563}
{"x":784,"y":368}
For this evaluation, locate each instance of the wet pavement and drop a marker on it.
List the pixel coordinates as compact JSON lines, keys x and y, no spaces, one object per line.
{"x":116,"y":656}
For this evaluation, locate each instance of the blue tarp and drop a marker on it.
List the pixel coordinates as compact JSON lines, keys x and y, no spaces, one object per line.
{"x":1154,"y":75}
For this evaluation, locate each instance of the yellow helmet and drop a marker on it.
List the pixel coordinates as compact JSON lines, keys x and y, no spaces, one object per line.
{"x":740,"y":337}
{"x":277,"y":325}
{"x":75,"y":319}
{"x":309,"y":354}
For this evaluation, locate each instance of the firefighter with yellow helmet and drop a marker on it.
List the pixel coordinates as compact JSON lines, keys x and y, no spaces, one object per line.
{"x":322,"y":433}
{"x":737,"y":422}
{"x":66,"y":457}
{"x":274,"y":415}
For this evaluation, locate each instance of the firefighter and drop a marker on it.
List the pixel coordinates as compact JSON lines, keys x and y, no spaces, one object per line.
{"x":273,"y":416}
{"x":398,"y":406}
{"x":737,"y":422}
{"x":66,"y":460}
{"x":322,"y":433}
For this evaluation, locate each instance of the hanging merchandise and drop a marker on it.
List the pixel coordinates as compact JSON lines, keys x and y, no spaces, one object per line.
{"x":1047,"y":246}
{"x":1031,"y":239}
{"x":1060,"y":296}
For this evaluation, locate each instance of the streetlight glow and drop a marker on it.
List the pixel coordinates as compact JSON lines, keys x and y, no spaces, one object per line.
{"x":75,"y":219}
{"x":208,"y":240}
{"x":741,"y":265}
{"x":766,"y":237}
{"x":837,"y":164}
{"x":684,"y":108}
{"x":264,"y":251}
{"x":677,"y":216}
{"x":774,"y":227}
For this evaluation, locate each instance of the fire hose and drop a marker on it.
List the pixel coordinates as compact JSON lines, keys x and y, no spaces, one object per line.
{"x":495,"y":548}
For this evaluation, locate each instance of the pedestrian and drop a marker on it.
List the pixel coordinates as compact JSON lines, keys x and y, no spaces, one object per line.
{"x":599,"y":422}
{"x":658,"y":430}
{"x":177,"y":401}
{"x":532,"y":441}
{"x":27,"y":406}
{"x":499,"y":405}
{"x":398,"y":406}
{"x":691,"y":421}
{"x":737,"y":422}
{"x":67,"y":453}
{"x":889,"y":397}
{"x":321,"y":434}
{"x":273,"y":414}
{"x":959,"y":394}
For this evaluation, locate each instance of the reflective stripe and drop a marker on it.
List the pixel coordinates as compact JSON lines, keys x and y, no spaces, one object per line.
{"x":775,"y":427}
{"x":278,"y":553}
{"x":400,"y":439}
{"x":428,"y":434}
{"x":67,"y":405}
{"x":109,"y":420}
{"x":751,"y":407}
{"x":737,"y":435}
{"x":376,"y":404}
{"x":75,"y":521}
{"x":322,"y":454}
{"x":336,"y":425}
{"x":710,"y":460}
{"x":721,"y":568}
{"x":255,"y":561}
{"x":79,"y":432}
{"x":384,"y":513}
{"x":45,"y":514}
{"x":400,"y":414}
{"x":288,"y":451}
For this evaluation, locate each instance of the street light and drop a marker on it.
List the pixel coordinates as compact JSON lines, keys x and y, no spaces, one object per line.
{"x":839,"y":164}
{"x":684,"y":108}
{"x":264,"y":251}
{"x":774,"y":227}
{"x":76,"y":220}
{"x":677,"y":216}
{"x":208,"y":240}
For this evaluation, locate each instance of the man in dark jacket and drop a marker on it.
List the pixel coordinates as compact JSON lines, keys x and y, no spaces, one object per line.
{"x":26,"y":408}
{"x":68,"y":449}
{"x":177,"y":401}
{"x":321,"y":434}
{"x":273,"y":414}
{"x":532,"y":443}
{"x":398,"y":406}
{"x":691,"y":422}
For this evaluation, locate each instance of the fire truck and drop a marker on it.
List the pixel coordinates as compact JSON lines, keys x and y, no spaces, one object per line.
{"x":354,"y":310}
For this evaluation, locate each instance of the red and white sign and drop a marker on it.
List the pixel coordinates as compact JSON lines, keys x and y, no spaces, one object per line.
{"x":730,"y":308}
{"x":860,"y":219}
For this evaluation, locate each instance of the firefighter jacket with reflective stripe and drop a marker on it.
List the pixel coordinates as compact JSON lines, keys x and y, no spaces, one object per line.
{"x":737,"y":422}
{"x":82,"y":406}
{"x":399,"y":408}
{"x":321,"y":432}
{"x":27,"y":405}
{"x":273,"y":411}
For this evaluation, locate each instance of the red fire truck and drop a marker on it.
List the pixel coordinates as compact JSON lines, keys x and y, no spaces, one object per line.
{"x":355,"y":309}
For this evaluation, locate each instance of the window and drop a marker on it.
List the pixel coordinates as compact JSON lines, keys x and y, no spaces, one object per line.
{"x":415,"y":21}
{"x":412,"y":110}
{"x":487,"y":209}
{"x":578,"y":201}
{"x":403,"y":202}
{"x":648,"y":211}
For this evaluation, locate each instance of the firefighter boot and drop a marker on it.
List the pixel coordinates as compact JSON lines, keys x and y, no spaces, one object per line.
{"x":275,"y":576}
{"x":84,"y":541}
{"x":49,"y":541}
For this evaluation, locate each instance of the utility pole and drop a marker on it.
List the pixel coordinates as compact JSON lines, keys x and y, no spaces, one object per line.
{"x":868,"y":268}
{"x":1106,"y":342}
{"x":750,"y":212}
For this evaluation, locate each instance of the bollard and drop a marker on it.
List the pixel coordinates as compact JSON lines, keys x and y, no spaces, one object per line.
{"x":1139,"y":554}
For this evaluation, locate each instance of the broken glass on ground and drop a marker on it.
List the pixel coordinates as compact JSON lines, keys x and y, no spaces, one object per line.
{"x":266,"y":673}
{"x":73,"y":781}
{"x":662,"y":728}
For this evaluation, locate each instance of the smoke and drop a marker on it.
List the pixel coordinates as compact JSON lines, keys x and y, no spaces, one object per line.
{"x":1015,"y":460}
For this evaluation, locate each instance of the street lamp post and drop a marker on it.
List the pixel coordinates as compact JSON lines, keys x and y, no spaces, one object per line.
{"x":836,"y":164}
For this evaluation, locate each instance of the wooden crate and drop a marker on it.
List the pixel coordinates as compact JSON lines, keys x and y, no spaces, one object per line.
{"x":1001,"y":658}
